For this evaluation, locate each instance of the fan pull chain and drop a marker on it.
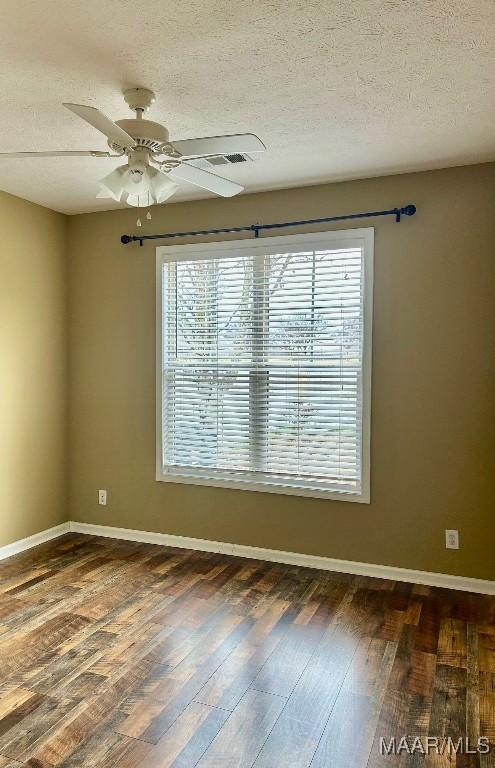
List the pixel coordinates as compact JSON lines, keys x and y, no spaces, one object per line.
{"x":148,"y":216}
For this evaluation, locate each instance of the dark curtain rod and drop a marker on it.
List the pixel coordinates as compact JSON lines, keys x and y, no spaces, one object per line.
{"x":407,"y":210}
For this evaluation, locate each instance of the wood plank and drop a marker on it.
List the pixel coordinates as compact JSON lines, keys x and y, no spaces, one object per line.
{"x":301,"y":724}
{"x":6,"y":762}
{"x":154,"y":716}
{"x":103,"y":747}
{"x":76,"y":726}
{"x":472,"y":686}
{"x":452,"y":643}
{"x":188,"y":738}
{"x":19,"y":711}
{"x":241,"y":738}
{"x":20,"y":740}
{"x":284,"y":667}
{"x":228,"y":684}
{"x":448,"y":711}
{"x":348,"y":736}
{"x":407,"y":677}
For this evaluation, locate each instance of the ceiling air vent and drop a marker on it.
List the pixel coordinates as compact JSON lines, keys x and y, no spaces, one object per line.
{"x":225,"y":159}
{"x":237,"y":158}
{"x":208,"y":162}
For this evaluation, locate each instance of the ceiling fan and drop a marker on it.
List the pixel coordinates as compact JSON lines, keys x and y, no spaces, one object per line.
{"x":154,"y":163}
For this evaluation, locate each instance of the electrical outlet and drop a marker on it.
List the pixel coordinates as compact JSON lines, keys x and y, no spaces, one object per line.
{"x":451,"y":539}
{"x":102,"y":497}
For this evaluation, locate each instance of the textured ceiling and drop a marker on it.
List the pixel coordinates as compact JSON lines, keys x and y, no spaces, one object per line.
{"x":336,"y":90}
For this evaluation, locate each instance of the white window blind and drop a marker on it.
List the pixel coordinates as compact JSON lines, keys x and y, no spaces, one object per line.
{"x":264,"y":362}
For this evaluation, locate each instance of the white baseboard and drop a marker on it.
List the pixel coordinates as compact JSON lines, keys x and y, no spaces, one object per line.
{"x":448,"y":581}
{"x":393,"y":573}
{"x":32,"y":541}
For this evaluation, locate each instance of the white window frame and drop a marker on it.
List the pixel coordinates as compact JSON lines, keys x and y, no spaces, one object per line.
{"x":362,"y":238}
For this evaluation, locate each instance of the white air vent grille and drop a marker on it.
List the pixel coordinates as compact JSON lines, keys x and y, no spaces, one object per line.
{"x":206,"y":163}
{"x":223,"y":159}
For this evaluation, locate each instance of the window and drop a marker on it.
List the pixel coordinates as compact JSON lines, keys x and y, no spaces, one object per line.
{"x":263,"y":364}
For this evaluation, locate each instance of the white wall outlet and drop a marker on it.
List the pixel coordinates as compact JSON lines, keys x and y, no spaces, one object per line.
{"x":102,"y":497}
{"x":451,"y":539}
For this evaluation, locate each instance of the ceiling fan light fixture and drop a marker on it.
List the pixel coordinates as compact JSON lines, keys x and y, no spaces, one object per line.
{"x":161,"y":186}
{"x":113,"y":185}
{"x":139,"y":190}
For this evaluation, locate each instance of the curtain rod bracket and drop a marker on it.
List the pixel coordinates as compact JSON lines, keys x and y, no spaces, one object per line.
{"x":406,"y":210}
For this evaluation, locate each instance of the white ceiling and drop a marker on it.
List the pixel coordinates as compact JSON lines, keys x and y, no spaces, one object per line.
{"x":342,"y":89}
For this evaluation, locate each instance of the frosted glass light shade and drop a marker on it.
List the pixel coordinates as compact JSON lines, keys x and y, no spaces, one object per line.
{"x":113,"y":185}
{"x":152,"y":187}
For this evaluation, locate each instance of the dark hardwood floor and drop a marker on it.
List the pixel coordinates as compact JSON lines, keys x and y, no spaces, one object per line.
{"x":122,"y":655}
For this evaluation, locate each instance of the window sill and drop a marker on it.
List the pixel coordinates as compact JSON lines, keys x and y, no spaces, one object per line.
{"x":288,"y":489}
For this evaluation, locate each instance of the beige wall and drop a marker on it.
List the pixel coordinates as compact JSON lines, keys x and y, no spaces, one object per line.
{"x":33,"y":369}
{"x":433,"y":410}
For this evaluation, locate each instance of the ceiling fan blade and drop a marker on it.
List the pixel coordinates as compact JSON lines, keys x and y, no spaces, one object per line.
{"x":219,"y":145}
{"x":205,"y":180}
{"x":102,"y":123}
{"x":88,"y":153}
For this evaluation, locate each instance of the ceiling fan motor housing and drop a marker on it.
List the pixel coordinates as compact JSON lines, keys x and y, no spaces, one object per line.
{"x":146,"y":133}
